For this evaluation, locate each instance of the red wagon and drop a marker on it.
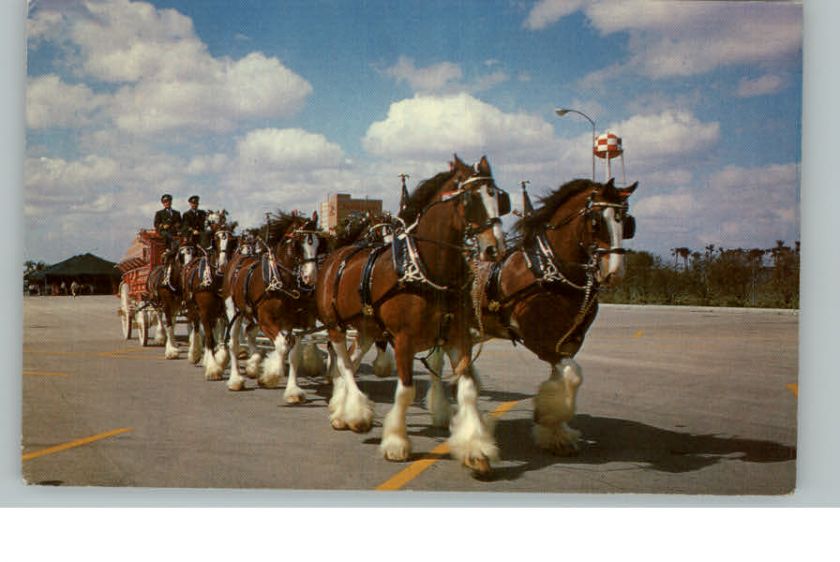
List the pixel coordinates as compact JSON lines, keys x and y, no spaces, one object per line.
{"x":142,"y":256}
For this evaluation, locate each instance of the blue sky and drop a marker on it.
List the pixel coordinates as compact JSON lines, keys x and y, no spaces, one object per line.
{"x":264,"y":105}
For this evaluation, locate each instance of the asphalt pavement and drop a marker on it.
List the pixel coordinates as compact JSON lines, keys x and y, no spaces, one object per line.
{"x":674,"y":400}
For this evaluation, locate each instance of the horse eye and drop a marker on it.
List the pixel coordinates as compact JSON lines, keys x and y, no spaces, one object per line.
{"x":491,"y":192}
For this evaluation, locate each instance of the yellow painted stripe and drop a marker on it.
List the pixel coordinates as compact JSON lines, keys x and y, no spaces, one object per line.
{"x":34,"y":373}
{"x":76,"y":443}
{"x":416,"y":468}
{"x":794,"y":388}
{"x":639,"y":334}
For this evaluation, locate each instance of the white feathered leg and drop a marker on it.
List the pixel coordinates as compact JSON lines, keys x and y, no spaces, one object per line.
{"x":160,"y":329}
{"x":212,"y":370}
{"x":471,"y":435}
{"x":336,"y":403}
{"x":395,"y":444}
{"x":172,"y":351}
{"x":274,"y":366}
{"x":236,"y":381}
{"x":436,"y":401}
{"x":384,"y":364}
{"x":222,"y":354}
{"x":554,"y":406}
{"x":254,"y":366}
{"x":293,"y":393}
{"x":194,"y":354}
{"x":356,"y":410}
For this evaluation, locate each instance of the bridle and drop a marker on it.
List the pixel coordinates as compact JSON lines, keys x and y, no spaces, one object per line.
{"x":590,"y":210}
{"x":593,"y":212}
{"x":465,"y":191}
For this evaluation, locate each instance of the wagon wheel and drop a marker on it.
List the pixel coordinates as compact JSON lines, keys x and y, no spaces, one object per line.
{"x":143,"y":327}
{"x":125,"y":311}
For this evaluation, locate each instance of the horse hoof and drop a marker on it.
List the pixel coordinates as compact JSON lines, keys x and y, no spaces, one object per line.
{"x":338,"y":425}
{"x":563,"y":441}
{"x":395,"y":450}
{"x":295,"y":399}
{"x":479,"y":466}
{"x":360,"y":427}
{"x":235,"y":387}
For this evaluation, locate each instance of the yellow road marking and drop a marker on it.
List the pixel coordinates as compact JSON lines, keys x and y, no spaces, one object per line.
{"x":34,"y":373}
{"x":75,"y":443}
{"x":639,"y":334}
{"x":414,"y":470}
{"x":794,"y":388}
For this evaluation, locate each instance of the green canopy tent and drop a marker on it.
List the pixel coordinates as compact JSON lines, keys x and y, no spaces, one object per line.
{"x":94,"y":274}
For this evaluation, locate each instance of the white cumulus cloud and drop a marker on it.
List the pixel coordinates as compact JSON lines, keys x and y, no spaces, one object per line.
{"x":547,"y":12}
{"x":678,"y":38}
{"x":432,"y":78}
{"x":50,"y":102}
{"x":444,"y":77}
{"x":433,"y":127}
{"x":165,"y":75}
{"x":287,"y":149}
{"x":665,"y":136}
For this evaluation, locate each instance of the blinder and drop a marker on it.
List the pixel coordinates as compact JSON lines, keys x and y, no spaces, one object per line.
{"x":504,"y":202}
{"x":629,"y":225}
{"x":473,"y":207}
{"x":627,"y":220}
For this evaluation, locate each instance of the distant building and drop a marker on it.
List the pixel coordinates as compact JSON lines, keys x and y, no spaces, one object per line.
{"x":95,"y":274}
{"x":339,"y":205}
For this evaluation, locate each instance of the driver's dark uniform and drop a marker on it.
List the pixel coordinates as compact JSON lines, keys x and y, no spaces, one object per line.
{"x":167,"y":223}
{"x":193,"y":226}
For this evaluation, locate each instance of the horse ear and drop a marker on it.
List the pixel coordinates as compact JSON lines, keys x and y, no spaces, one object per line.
{"x":457,"y":161}
{"x":610,"y":183}
{"x":484,"y":166}
{"x":625,"y":192}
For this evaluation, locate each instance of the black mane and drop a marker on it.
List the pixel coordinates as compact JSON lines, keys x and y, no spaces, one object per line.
{"x":422,"y":194}
{"x":534,"y":224}
{"x":279,"y":223}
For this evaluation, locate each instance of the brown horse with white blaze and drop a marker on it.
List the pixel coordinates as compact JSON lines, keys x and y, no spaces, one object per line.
{"x":201,"y":281}
{"x":545,"y":293}
{"x":415,"y":294}
{"x":274,"y":291}
{"x":164,"y":288}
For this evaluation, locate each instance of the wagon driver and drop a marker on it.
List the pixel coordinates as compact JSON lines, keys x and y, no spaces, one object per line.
{"x":167,"y":223}
{"x":194,"y":225}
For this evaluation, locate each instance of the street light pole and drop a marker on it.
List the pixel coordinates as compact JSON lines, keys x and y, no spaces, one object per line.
{"x":563,"y":111}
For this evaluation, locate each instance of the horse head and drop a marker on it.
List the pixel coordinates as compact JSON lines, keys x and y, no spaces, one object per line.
{"x":584,"y":223}
{"x":223,"y":242}
{"x":186,"y":253}
{"x":483,"y":204}
{"x":611,"y":223}
{"x":300,"y":245}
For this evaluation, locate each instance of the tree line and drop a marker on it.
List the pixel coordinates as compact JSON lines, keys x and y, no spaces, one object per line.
{"x":713,"y":276}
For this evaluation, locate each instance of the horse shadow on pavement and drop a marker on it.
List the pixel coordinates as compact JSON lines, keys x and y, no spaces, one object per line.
{"x":607,"y":440}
